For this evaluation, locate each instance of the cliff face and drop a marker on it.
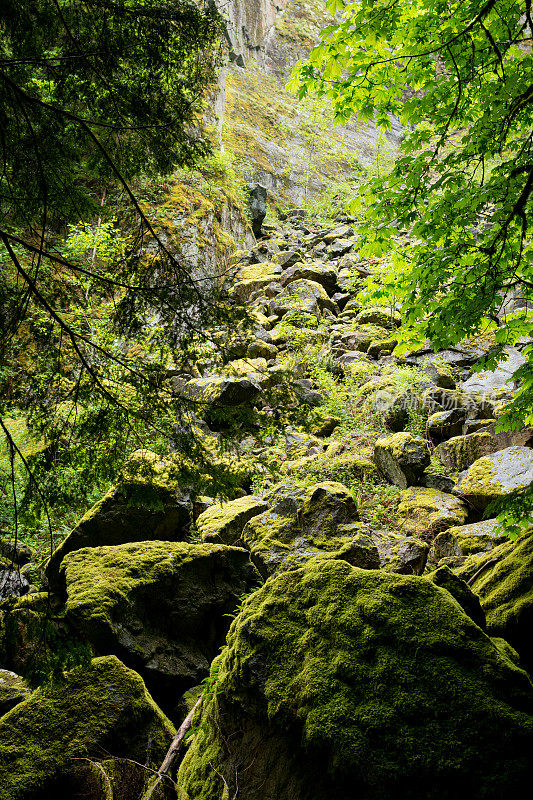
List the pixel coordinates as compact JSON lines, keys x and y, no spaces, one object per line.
{"x":292,"y":147}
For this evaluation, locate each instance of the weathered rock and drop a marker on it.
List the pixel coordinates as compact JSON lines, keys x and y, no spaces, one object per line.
{"x":496,"y":475}
{"x":299,"y":525}
{"x":460,"y":452}
{"x":16,"y":552}
{"x":325,"y":425}
{"x":378,"y":346}
{"x":405,"y":555}
{"x":445,"y":424}
{"x":319,"y":273}
{"x":385,"y":317}
{"x":12,"y":584}
{"x":151,"y":501}
{"x":224,"y":522}
{"x":436,"y":399}
{"x":402,"y":458}
{"x":340,"y":247}
{"x":428,"y":511}
{"x":262,"y":349}
{"x":257,"y":203}
{"x":434,"y":478}
{"x":457,"y":543}
{"x":500,"y":378}
{"x":100,"y":708}
{"x":459,"y":589}
{"x":221,"y":390}
{"x":288,"y":258}
{"x":160,"y":606}
{"x":503,"y":581}
{"x":13,"y":690}
{"x":253,"y":278}
{"x":340,"y":683}
{"x":302,"y":295}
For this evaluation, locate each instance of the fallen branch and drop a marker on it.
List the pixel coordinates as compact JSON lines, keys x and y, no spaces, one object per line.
{"x":173,"y":752}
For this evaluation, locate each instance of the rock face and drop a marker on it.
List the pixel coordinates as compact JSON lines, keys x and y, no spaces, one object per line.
{"x":402,"y":458}
{"x":148,"y":503}
{"x":257,"y":203}
{"x":12,"y":584}
{"x":323,"y":691}
{"x":503,"y":580}
{"x":160,"y":606}
{"x":496,"y":475}
{"x":99,"y":708}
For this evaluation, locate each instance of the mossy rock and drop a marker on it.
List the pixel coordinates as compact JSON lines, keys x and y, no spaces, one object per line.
{"x":384,"y":317}
{"x":101,"y":708}
{"x":445,"y":424}
{"x":221,"y":390}
{"x":503,"y":581}
{"x":402,"y":458}
{"x":400,"y":554}
{"x":13,"y":690}
{"x":151,"y":501}
{"x":428,"y":511}
{"x":469,"y":602}
{"x":338,"y":682}
{"x":317,"y":272}
{"x":253,"y":278}
{"x":16,"y":552}
{"x":302,"y":295}
{"x":460,"y":452}
{"x":496,"y":475}
{"x":160,"y":606}
{"x":377,"y":346}
{"x":454,"y":545}
{"x":253,"y":367}
{"x":361,"y":337}
{"x":299,"y":526}
{"x":224,"y":522}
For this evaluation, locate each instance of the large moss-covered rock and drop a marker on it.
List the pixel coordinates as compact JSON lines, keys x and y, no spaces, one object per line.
{"x":403,"y":554}
{"x":224,"y":522}
{"x":493,"y":476}
{"x":302,"y":295}
{"x":221,"y":390}
{"x":100,"y":709}
{"x":503,"y":580}
{"x":344,"y":683}
{"x":151,"y":501}
{"x":428,"y":511}
{"x":402,"y":458}
{"x":299,"y":525}
{"x":160,"y":606}
{"x":384,"y":317}
{"x":459,"y":452}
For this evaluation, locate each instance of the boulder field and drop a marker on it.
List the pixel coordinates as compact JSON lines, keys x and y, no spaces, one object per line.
{"x":349,"y":623}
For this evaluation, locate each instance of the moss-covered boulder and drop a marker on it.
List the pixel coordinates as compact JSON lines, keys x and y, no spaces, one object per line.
{"x":503,"y":580}
{"x":221,"y":390}
{"x":299,"y":525}
{"x":12,"y":584}
{"x":224,"y":522}
{"x":454,"y":545}
{"x":402,"y":458}
{"x":302,"y":295}
{"x":318,"y":272}
{"x":152,"y":500}
{"x":445,"y":424}
{"x":160,"y":606}
{"x":253,"y":278}
{"x":344,"y":683}
{"x":459,"y":452}
{"x":97,"y":710}
{"x":399,"y":553}
{"x":13,"y":690}
{"x":16,"y":552}
{"x":496,"y":475}
{"x":428,"y":511}
{"x":384,"y":317}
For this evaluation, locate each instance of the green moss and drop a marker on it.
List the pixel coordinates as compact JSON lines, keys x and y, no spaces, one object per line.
{"x":460,"y":452}
{"x":335,"y":678}
{"x":430,"y":511}
{"x":292,"y":532}
{"x":103,"y":708}
{"x":224,"y":522}
{"x":504,"y":585}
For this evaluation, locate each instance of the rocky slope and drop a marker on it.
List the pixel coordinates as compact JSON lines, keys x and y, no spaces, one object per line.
{"x":380,"y":642}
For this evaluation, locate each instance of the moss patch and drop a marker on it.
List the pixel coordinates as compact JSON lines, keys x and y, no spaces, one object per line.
{"x":335,"y":678}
